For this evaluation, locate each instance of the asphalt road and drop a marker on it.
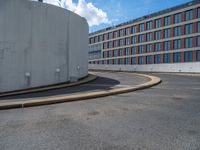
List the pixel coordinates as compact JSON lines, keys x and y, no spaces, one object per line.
{"x":105,"y":81}
{"x":165,"y":117}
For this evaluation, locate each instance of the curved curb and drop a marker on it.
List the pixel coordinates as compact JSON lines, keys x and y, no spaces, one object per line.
{"x":67,"y":98}
{"x":90,"y":77}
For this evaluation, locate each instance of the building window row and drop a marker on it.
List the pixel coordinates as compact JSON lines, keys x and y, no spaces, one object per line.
{"x":188,"y":56}
{"x":157,"y":35}
{"x":160,"y":46}
{"x":177,"y":31}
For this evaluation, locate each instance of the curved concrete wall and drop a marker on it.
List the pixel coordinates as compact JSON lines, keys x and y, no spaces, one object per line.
{"x":40,"y":44}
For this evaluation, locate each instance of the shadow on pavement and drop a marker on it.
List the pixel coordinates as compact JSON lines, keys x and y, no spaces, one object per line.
{"x":101,"y":83}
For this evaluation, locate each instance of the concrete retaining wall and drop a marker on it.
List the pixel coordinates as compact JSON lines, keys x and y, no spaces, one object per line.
{"x":40,"y":44}
{"x":193,"y":67}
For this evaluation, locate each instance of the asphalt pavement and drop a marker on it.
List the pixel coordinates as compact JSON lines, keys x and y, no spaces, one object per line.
{"x":164,"y":117}
{"x":105,"y":81}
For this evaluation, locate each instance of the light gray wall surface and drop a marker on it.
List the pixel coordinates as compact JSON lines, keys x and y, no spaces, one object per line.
{"x":192,"y":67}
{"x":46,"y":42}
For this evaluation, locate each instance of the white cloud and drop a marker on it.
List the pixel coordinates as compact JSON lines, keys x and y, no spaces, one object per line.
{"x":94,"y":15}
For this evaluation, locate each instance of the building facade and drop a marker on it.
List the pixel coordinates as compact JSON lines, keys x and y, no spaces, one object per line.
{"x":167,"y":41}
{"x":40,"y":45}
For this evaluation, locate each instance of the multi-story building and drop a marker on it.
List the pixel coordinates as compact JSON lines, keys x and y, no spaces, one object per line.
{"x":168,"y":40}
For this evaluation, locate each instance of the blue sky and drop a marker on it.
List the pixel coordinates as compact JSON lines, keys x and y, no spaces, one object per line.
{"x":119,"y":11}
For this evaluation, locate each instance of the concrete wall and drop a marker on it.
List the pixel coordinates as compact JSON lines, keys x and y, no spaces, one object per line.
{"x":193,"y":67}
{"x":40,"y":44}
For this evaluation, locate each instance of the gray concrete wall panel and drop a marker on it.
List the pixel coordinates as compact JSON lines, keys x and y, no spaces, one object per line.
{"x":40,"y":44}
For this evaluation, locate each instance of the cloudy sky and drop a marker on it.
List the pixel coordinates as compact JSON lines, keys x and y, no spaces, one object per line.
{"x":105,"y":13}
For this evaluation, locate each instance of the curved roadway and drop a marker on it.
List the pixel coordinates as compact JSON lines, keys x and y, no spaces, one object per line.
{"x":164,"y":117}
{"x":105,"y":81}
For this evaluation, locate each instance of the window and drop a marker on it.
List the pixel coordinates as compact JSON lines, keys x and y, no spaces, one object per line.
{"x":91,"y":40}
{"x":110,"y":61}
{"x":115,"y":53}
{"x":134,"y":60}
{"x":127,"y":41}
{"x":167,"y":33}
{"x":116,"y":43}
{"x":110,"y":53}
{"x":141,"y":59}
{"x":105,"y":37}
{"x":110,"y":44}
{"x":100,"y":38}
{"x":104,"y":54}
{"x":127,"y":31}
{"x":188,"y":42}
{"x":141,"y":38}
{"x":177,"y":31}
{"x":104,"y":45}
{"x":141,"y":49}
{"x":177,"y":57}
{"x":115,"y":61}
{"x":134,"y":29}
{"x":121,"y":42}
{"x":157,"y":47}
{"x":121,"y":52}
{"x":149,"y":37}
{"x":158,"y":23}
{"x":134,"y":50}
{"x":166,"y":58}
{"x":177,"y":18}
{"x":121,"y":61}
{"x":121,"y":32}
{"x":149,"y":25}
{"x":127,"y":51}
{"x":188,"y":15}
{"x":188,"y":56}
{"x":157,"y":59}
{"x":177,"y":44}
{"x":148,"y":59}
{"x":148,"y":48}
{"x":198,"y":40}
{"x":96,"y":39}
{"x":115,"y":34}
{"x":167,"y":20}
{"x":157,"y":35}
{"x":198,"y":13}
{"x":198,"y":27}
{"x":109,"y":35}
{"x":127,"y":61}
{"x":134,"y":40}
{"x":198,"y":55}
{"x":188,"y":28}
{"x":167,"y":46}
{"x":141,"y":27}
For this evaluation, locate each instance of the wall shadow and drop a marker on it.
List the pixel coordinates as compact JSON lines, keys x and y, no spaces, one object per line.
{"x":101,"y":83}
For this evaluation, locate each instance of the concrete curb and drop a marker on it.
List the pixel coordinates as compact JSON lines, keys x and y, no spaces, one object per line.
{"x":89,"y":78}
{"x":82,"y":96}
